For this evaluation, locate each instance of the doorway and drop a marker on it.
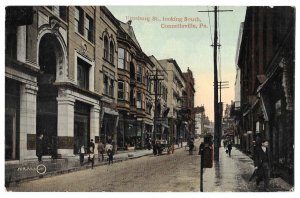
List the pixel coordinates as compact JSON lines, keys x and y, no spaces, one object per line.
{"x":12,"y":119}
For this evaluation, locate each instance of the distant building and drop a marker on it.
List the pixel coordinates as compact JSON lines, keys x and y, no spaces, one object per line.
{"x":178,"y":124}
{"x":188,"y":100}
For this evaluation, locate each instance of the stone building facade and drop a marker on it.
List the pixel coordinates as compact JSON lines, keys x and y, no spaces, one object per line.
{"x":76,"y":73}
{"x":54,"y":72}
{"x":176,"y":84}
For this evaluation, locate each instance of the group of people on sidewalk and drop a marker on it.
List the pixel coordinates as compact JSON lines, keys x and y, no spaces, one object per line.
{"x":102,"y":149}
{"x":261,"y":159}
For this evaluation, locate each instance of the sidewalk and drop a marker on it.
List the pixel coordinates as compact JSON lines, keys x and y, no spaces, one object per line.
{"x":32,"y":169}
{"x":232,"y":174}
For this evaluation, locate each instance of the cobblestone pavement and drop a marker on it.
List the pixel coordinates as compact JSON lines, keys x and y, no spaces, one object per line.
{"x":177,"y":172}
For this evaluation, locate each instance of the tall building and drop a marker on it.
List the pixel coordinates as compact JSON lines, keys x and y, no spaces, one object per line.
{"x":188,"y":101}
{"x":76,"y":73}
{"x":178,"y":125}
{"x":160,"y":82}
{"x":134,"y":89}
{"x":53,"y":83}
{"x":267,"y":64}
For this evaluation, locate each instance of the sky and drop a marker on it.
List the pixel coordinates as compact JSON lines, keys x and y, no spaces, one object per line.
{"x":190,"y":47}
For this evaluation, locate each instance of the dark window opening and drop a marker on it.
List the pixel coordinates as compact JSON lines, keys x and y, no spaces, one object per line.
{"x":105,"y":48}
{"x":79,"y":20}
{"x":121,"y":90}
{"x":11,"y":41}
{"x":89,"y":28}
{"x":82,"y":74}
{"x":111,"y":52}
{"x":63,"y":12}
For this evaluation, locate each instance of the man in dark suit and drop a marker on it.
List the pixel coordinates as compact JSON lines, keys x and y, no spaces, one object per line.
{"x":262,"y":164}
{"x":40,"y":147}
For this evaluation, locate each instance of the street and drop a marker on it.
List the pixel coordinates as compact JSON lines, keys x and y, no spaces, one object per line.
{"x":178,"y":172}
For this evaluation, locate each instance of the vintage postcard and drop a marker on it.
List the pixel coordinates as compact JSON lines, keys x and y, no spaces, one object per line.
{"x":149,"y":98}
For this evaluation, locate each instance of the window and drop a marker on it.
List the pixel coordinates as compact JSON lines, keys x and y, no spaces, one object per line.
{"x":79,"y":19}
{"x":139,"y":100}
{"x":11,"y":41}
{"x":82,"y":74}
{"x":121,"y":58}
{"x":105,"y":48}
{"x":139,"y":74}
{"x":63,"y":12}
{"x":111,"y":52}
{"x":121,"y":90}
{"x":60,"y":11}
{"x":111,"y":88}
{"x":108,"y":86}
{"x":89,"y":28}
{"x":105,"y":82}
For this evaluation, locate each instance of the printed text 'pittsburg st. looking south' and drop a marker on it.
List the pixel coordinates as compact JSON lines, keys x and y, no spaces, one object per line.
{"x":171,"y":22}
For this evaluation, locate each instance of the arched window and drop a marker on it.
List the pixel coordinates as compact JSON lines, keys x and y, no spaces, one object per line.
{"x":105,"y":48}
{"x":111,"y":52}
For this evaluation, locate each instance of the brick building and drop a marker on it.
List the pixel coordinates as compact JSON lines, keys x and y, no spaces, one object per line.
{"x":267,"y":65}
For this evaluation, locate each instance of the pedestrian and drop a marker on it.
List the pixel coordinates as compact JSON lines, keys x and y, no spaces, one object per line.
{"x":154,"y":147}
{"x":40,"y":147}
{"x":158,"y":148}
{"x":262,"y":164}
{"x":224,"y":143}
{"x":109,"y":151}
{"x":91,"y":152}
{"x":181,"y":140}
{"x":81,"y":154}
{"x":101,"y":150}
{"x":229,"y":148}
{"x":191,"y":146}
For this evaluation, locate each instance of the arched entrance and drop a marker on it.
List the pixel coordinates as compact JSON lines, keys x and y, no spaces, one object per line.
{"x":50,"y":56}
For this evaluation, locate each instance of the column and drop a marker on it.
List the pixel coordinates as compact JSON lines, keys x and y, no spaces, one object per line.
{"x":28,"y":94}
{"x":65,"y":124}
{"x":94,"y":122}
{"x":21,"y":43}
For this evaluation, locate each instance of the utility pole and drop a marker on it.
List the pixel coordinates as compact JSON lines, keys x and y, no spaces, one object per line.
{"x":216,"y":105}
{"x":156,"y":80}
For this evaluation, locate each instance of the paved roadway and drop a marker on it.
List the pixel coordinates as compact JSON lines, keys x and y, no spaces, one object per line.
{"x":178,"y":172}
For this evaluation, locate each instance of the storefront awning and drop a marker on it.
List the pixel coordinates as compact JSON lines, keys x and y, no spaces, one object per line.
{"x":108,"y":111}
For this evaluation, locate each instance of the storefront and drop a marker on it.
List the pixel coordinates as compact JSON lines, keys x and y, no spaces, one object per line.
{"x":109,"y":120}
{"x":81,"y":125}
{"x":12,"y":119}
